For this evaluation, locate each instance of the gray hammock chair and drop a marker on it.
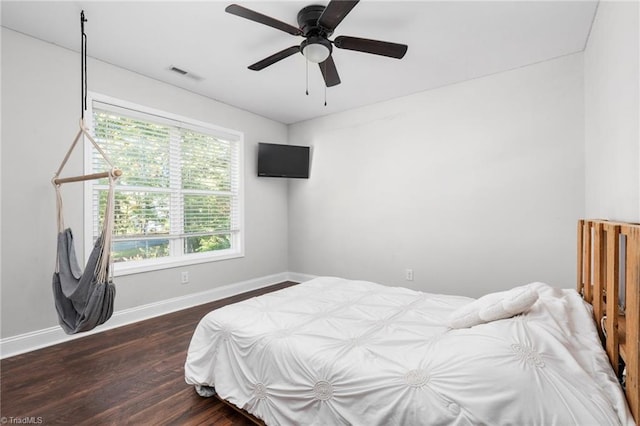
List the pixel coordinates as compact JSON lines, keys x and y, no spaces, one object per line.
{"x":84,"y":299}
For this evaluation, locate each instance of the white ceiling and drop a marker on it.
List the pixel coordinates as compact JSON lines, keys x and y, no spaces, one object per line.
{"x":449,"y":41}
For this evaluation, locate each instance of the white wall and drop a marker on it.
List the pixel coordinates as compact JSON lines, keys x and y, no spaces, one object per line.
{"x":475,"y":186}
{"x":40,"y":112}
{"x":612,"y":98}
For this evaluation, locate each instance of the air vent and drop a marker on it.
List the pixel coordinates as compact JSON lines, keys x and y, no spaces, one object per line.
{"x":185,"y":73}
{"x":178,"y":70}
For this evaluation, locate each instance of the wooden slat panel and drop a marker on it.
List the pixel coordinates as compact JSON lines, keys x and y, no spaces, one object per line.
{"x":612,"y":236}
{"x":580,"y":275}
{"x":599,"y":267}
{"x":622,"y":329}
{"x":632,"y":317}
{"x":586,"y":262}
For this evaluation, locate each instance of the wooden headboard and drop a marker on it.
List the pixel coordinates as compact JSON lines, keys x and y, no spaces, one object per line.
{"x":609,"y":279}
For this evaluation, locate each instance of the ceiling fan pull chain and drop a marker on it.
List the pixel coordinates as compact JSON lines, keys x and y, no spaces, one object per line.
{"x":325,"y":86}
{"x":307,"y":90}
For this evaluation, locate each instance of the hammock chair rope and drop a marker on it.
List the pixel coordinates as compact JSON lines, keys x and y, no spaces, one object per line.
{"x":105,"y":261}
{"x":57,"y":180}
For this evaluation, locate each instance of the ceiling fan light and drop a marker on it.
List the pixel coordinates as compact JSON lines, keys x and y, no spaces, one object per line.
{"x":316,"y":52}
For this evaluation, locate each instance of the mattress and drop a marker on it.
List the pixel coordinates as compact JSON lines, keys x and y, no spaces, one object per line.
{"x":336,"y":351}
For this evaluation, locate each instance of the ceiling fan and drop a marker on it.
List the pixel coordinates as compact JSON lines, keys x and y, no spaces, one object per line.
{"x":316,"y":23}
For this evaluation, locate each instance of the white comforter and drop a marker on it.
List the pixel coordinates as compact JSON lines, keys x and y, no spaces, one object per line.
{"x":332,"y":351}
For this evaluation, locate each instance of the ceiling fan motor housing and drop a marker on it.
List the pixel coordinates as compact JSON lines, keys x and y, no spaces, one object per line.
{"x":308,"y":21}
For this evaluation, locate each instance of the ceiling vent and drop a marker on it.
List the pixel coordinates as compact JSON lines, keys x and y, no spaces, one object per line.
{"x":185,"y":73}
{"x":179,"y":71}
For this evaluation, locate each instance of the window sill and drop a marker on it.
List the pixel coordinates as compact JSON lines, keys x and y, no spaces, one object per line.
{"x":150,"y":265}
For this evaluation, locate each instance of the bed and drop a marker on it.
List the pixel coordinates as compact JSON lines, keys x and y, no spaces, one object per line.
{"x":336,"y":351}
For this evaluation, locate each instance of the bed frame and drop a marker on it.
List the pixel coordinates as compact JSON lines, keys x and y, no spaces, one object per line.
{"x":609,"y":267}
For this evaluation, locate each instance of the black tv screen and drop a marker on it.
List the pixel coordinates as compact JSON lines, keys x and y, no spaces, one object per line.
{"x":288,"y":161}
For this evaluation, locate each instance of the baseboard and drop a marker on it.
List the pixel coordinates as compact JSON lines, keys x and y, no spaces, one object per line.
{"x":38,"y":339}
{"x":299,"y":277}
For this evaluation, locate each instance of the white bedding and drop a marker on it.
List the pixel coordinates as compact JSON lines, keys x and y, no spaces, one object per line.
{"x":332,"y":351}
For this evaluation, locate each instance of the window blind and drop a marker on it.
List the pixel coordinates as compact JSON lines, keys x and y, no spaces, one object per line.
{"x":179,"y":192}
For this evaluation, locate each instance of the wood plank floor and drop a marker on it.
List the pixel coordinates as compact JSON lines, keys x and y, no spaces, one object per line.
{"x":129,"y":375}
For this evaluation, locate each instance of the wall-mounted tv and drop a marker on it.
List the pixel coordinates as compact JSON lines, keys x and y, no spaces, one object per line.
{"x":287,"y":161}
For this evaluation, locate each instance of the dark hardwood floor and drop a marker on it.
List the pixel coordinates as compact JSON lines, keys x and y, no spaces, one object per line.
{"x":129,"y":375}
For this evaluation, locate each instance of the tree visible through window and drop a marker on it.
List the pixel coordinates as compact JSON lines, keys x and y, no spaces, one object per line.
{"x":178,"y":196}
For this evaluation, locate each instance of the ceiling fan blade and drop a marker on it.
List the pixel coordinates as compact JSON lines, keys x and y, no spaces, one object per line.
{"x":334,"y":13}
{"x":329,"y":72}
{"x":274,"y":58}
{"x":243,"y":12}
{"x":384,"y":48}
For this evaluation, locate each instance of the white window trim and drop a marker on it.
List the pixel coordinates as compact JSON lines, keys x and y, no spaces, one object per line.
{"x":147,"y":265}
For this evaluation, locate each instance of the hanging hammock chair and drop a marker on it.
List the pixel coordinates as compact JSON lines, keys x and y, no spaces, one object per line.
{"x":84,"y":299}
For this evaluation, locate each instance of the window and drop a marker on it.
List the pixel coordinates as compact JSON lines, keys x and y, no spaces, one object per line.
{"x":179,"y":198}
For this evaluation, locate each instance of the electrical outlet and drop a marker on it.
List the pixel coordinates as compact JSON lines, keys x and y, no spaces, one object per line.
{"x":408,"y":274}
{"x":184,"y":278}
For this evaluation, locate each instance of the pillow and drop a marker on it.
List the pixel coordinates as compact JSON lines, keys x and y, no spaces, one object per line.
{"x":494,"y":306}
